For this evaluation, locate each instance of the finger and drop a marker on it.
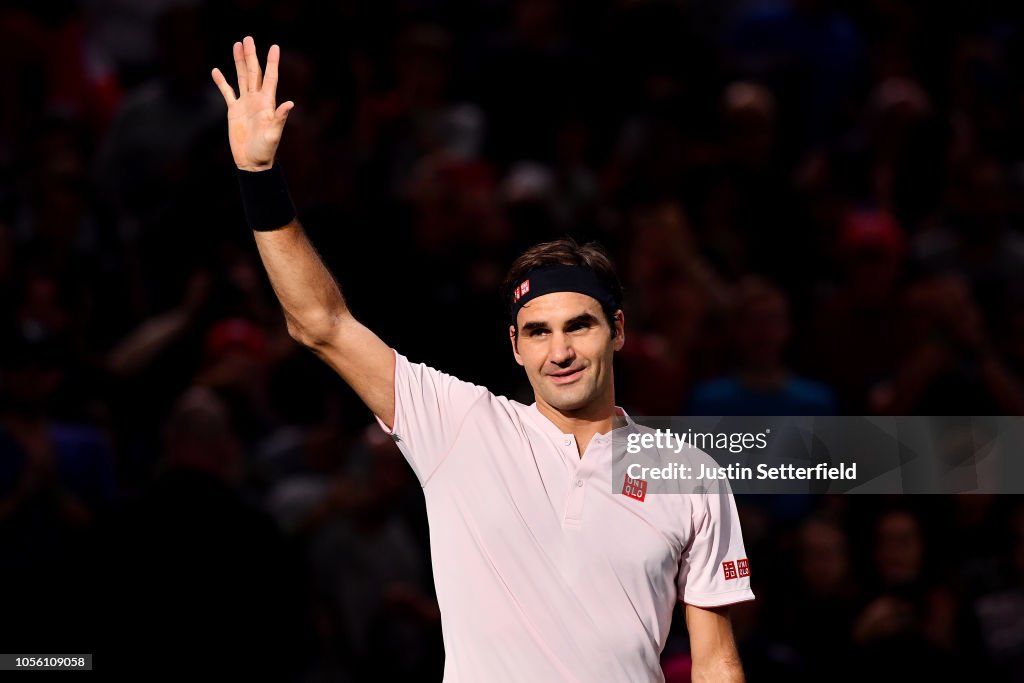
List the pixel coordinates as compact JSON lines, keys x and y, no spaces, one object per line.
{"x":254,"y":79}
{"x":270,"y":78}
{"x":243,"y":86}
{"x":281,"y":114}
{"x":222,"y":85}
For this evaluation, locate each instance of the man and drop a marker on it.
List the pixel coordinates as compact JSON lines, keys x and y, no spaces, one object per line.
{"x":543,"y":571}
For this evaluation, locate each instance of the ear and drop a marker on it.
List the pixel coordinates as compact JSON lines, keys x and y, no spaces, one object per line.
{"x":620,"y":330}
{"x":515,"y":348}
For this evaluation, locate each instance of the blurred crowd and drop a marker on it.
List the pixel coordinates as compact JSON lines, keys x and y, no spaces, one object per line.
{"x":815,"y":205}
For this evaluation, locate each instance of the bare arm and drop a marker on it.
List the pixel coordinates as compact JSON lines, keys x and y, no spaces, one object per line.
{"x":141,"y":347}
{"x":318,"y":318}
{"x":314,"y":308}
{"x":712,"y":647}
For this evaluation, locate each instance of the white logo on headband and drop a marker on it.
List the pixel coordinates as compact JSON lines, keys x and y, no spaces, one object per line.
{"x":520,"y":291}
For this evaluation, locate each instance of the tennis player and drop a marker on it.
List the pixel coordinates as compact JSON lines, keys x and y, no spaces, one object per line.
{"x":545,"y":568}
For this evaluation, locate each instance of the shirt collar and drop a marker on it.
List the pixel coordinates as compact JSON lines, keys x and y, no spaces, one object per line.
{"x":550,"y":427}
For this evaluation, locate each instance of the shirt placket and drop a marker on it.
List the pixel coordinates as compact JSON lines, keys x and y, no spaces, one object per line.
{"x":582,"y":470}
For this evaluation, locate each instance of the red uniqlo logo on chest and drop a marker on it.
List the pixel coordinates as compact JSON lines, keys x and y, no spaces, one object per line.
{"x":743,"y":566}
{"x":521,"y":291}
{"x":634,"y":488}
{"x":730,"y":570}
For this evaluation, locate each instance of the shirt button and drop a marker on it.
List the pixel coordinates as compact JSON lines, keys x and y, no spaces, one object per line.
{"x":568,"y":442}
{"x":579,"y":482}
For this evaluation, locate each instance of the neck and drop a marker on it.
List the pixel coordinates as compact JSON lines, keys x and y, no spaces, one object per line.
{"x":597,"y":417}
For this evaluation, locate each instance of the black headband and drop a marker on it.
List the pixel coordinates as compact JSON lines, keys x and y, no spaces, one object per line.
{"x":560,"y":278}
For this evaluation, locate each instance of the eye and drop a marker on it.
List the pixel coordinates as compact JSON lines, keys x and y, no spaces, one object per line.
{"x":536,"y":332}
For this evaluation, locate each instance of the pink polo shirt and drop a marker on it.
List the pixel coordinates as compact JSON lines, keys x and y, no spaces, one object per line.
{"x":542,"y":572}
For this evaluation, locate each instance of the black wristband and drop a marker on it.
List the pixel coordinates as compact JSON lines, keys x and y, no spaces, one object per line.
{"x":265,"y":198}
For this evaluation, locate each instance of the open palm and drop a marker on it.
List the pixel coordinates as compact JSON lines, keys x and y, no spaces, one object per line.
{"x":255,"y":123}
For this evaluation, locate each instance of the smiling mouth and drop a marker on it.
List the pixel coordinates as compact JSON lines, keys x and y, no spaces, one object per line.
{"x":566,"y":377}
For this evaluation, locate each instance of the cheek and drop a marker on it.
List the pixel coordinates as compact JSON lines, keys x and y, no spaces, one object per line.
{"x":599,"y":349}
{"x":532,"y":355}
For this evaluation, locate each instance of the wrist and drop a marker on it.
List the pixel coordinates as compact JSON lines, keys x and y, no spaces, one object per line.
{"x":255,"y":168}
{"x":268,"y":204}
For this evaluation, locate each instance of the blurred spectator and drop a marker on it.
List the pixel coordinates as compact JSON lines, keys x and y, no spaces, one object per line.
{"x":857,"y":328}
{"x":56,"y":479}
{"x":762,"y":384}
{"x":912,"y":612}
{"x":367,"y":561}
{"x":416,"y":118}
{"x":949,"y":358}
{"x":979,"y":234}
{"x":674,"y":293}
{"x":143,"y":150}
{"x":53,"y":73}
{"x":808,"y":49}
{"x":1001,"y":613}
{"x":748,"y":216}
{"x":812,"y":617}
{"x":123,"y":32}
{"x":194,"y":565}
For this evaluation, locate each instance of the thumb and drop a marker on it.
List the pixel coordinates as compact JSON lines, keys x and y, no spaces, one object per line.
{"x":281,"y":114}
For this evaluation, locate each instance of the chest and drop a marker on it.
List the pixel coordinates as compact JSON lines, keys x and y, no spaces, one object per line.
{"x":526,"y":493}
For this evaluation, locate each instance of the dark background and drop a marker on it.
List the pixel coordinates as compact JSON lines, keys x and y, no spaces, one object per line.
{"x":815,"y":208}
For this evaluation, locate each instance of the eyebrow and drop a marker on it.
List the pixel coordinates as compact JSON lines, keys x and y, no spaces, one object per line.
{"x":581,"y":319}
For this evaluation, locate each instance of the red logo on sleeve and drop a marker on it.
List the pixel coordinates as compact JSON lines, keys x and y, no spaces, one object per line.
{"x":730,"y":570}
{"x":634,"y":488}
{"x":743,"y":566}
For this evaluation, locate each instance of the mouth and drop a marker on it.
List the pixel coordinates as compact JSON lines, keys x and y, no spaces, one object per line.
{"x":566,"y":376}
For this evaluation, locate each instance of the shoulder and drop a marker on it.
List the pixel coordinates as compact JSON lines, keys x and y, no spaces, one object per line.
{"x":405,"y":368}
{"x":717,"y":388}
{"x":812,"y":391}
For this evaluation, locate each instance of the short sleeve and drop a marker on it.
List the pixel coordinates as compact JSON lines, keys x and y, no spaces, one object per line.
{"x":430,"y":407}
{"x":715,"y":570}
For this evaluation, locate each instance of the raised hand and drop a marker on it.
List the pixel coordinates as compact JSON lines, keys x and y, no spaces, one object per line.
{"x":255,"y":123}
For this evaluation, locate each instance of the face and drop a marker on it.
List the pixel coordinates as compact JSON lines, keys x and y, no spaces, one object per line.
{"x":566,"y":346}
{"x":824,"y":561}
{"x":899,"y":548}
{"x":763,"y":331}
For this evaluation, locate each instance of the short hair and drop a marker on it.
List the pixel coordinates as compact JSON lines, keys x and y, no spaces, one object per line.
{"x":752,"y":290}
{"x":566,"y":252}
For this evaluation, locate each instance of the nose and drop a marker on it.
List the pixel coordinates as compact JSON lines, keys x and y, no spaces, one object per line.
{"x":561,"y":352}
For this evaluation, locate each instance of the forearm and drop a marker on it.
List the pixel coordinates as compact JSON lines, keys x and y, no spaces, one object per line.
{"x":314,"y":309}
{"x":309,"y":294}
{"x":712,"y":646}
{"x":319,"y":319}
{"x":143,"y":345}
{"x":723,"y":671}
{"x":911,"y":383}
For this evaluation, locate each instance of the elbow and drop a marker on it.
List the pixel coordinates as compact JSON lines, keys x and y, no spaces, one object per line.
{"x":316,"y":329}
{"x":295,"y":330}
